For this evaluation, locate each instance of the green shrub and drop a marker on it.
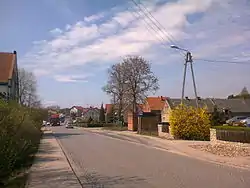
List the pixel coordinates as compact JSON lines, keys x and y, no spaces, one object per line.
{"x":19,"y":136}
{"x":190,"y":123}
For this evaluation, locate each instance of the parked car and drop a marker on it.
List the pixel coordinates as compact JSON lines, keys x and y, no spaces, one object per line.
{"x":69,"y":124}
{"x":235,"y":120}
{"x":246,"y":121}
{"x":44,"y":123}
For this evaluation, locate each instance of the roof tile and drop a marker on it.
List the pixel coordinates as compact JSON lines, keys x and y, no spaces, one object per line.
{"x":7,"y":61}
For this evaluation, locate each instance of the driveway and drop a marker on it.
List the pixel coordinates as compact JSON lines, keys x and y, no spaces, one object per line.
{"x":102,"y":161}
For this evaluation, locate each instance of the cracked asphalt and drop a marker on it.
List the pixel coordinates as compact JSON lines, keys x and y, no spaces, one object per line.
{"x":106,"y":161}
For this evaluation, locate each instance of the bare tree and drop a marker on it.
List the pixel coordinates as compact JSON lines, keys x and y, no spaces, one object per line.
{"x":116,"y":86}
{"x":28,"y":89}
{"x":140,"y":80}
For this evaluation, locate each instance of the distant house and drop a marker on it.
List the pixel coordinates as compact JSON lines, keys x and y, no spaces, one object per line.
{"x":92,"y":112}
{"x":148,"y":114}
{"x":9,"y":83}
{"x":171,"y":103}
{"x":78,"y":110}
{"x":231,"y":107}
{"x":155,"y":105}
{"x":235,"y":107}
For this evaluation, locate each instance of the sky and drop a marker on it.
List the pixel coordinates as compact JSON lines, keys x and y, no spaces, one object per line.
{"x":70,"y":44}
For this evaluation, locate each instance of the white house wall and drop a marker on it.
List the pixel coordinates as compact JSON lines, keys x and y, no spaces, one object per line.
{"x":93,"y":114}
{"x":3,"y":88}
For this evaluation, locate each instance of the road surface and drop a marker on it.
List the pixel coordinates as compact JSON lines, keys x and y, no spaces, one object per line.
{"x":101,"y":161}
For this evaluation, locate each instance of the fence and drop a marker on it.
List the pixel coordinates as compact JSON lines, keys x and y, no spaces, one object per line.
{"x":230,"y":135}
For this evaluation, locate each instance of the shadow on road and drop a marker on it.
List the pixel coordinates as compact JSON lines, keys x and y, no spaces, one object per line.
{"x":126,"y":138}
{"x":53,"y":178}
{"x":95,"y":180}
{"x":65,"y":135}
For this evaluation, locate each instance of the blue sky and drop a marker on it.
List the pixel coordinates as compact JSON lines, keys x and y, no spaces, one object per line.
{"x":69,"y":44}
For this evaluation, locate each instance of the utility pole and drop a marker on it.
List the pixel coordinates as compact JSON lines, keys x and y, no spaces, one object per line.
{"x":192,"y":71}
{"x":184,"y":79}
{"x":188,"y":59}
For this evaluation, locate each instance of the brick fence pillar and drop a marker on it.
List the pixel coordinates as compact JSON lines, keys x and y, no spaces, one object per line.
{"x":213,"y":138}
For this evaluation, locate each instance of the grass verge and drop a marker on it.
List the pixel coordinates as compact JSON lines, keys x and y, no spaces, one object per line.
{"x":234,"y":128}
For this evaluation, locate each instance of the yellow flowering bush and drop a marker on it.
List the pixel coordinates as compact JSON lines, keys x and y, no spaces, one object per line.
{"x":190,"y":123}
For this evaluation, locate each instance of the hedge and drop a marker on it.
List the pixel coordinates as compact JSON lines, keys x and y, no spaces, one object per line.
{"x":20,"y":133}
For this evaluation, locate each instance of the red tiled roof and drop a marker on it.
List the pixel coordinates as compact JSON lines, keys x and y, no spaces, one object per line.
{"x":7,"y":62}
{"x":156,"y":103}
{"x":79,"y":108}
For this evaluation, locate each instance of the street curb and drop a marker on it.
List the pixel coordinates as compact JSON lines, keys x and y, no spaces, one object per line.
{"x":68,"y":160}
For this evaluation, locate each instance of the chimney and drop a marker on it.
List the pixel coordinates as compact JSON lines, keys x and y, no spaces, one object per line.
{"x":14,"y":52}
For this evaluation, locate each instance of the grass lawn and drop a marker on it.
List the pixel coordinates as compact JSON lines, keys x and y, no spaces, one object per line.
{"x":227,"y":127}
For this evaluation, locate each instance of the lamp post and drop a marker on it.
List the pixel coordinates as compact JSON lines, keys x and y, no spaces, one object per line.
{"x":188,"y":59}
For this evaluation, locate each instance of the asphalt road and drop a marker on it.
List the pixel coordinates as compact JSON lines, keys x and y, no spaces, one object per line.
{"x":101,"y":161}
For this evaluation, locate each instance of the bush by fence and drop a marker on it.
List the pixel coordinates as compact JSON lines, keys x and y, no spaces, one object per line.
{"x":190,"y":123}
{"x":19,"y":136}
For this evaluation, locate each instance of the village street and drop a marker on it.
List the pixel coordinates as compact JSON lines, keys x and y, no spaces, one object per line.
{"x":102,"y":161}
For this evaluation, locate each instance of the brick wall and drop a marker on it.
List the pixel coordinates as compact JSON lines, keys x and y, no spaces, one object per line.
{"x":132,"y":122}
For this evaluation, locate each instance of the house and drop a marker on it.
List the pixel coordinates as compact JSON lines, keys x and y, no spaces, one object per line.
{"x":172,"y":103}
{"x":148,"y":115}
{"x":154,"y":105}
{"x":93,"y":113}
{"x":77,"y":110}
{"x":9,"y":83}
{"x":235,"y":107}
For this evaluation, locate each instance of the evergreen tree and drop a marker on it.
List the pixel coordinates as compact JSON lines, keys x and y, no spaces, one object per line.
{"x":102,"y":115}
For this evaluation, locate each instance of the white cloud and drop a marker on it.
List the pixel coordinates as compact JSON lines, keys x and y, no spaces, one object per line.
{"x":56,"y":31}
{"x":94,"y":17}
{"x":72,"y":78}
{"x":222,"y":31}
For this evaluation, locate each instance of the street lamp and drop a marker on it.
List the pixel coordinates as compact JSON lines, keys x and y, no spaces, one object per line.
{"x":188,"y":59}
{"x":178,"y":48}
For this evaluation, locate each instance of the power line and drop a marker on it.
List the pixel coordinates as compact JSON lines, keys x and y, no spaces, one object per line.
{"x":153,"y":20}
{"x":172,"y":39}
{"x":150,"y":28}
{"x":224,"y":61}
{"x":162,"y":29}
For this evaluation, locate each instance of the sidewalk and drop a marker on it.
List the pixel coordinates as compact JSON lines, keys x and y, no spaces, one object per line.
{"x":51,"y":168}
{"x":182,"y":147}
